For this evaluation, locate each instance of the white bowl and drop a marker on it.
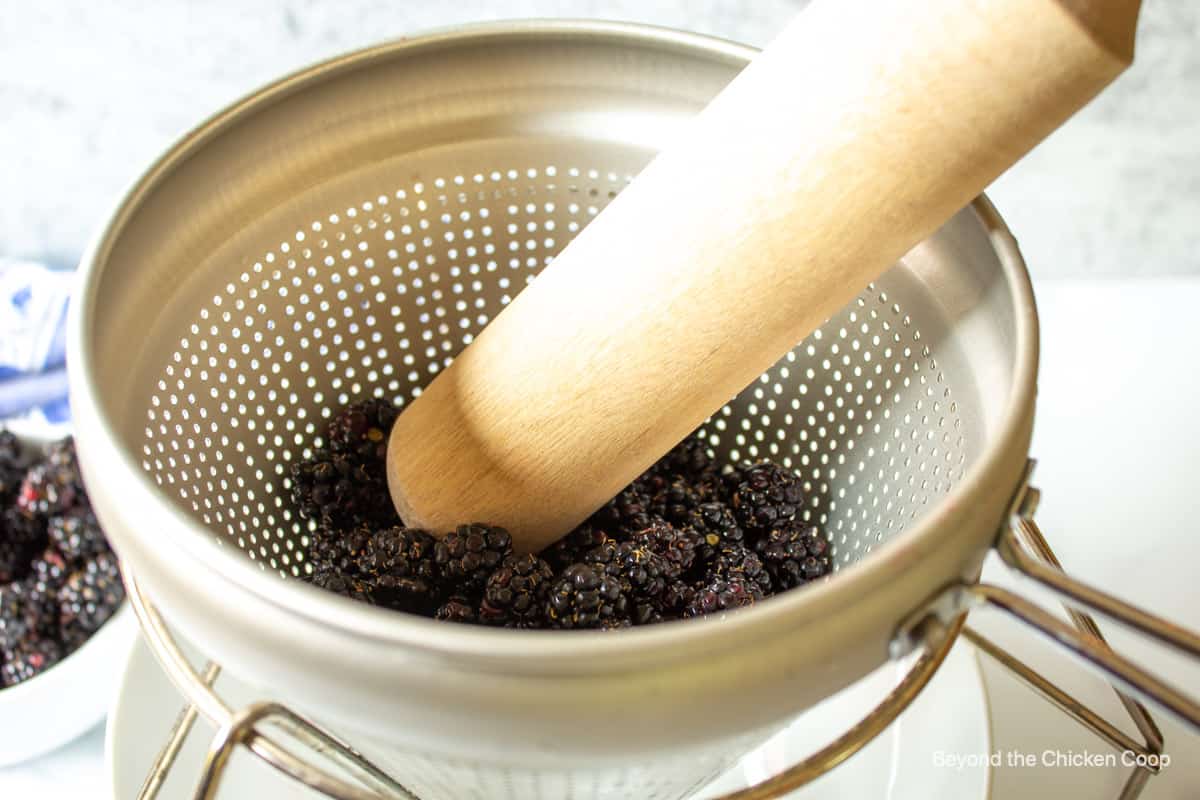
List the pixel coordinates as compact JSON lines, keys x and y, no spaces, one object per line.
{"x":51,"y":709}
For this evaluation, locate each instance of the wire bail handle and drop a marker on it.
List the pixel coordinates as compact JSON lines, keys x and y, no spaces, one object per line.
{"x":1021,"y":545}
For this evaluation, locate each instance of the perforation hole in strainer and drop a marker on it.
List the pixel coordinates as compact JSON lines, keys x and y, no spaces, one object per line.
{"x":376,"y":298}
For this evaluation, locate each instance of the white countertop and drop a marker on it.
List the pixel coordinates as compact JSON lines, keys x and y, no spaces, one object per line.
{"x":1117,"y":439}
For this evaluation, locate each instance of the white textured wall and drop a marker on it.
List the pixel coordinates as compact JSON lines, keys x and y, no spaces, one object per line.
{"x":90,"y":91}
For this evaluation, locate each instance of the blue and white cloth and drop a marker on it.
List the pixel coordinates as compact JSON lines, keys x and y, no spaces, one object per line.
{"x":33,"y":315}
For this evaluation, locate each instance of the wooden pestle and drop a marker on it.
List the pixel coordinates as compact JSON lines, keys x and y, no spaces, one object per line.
{"x":861,"y":129}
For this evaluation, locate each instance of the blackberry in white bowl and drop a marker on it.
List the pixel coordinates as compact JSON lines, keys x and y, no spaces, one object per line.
{"x":63,"y":626}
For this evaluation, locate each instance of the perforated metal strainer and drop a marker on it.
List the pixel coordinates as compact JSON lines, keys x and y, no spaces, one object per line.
{"x":343,"y":234}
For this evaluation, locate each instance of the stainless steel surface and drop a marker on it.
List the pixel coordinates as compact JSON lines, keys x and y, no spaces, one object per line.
{"x":344,"y":233}
{"x":240,"y":727}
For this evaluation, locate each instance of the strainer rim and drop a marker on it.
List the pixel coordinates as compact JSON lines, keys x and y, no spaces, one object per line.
{"x":437,"y":638}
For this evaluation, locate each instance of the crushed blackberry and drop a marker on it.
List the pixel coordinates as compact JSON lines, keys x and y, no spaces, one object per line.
{"x":89,"y":597}
{"x":584,"y":597}
{"x":397,"y":563}
{"x":795,"y":553}
{"x":466,"y":556}
{"x":77,"y":535}
{"x":53,"y":485}
{"x":765,"y":495}
{"x":722,"y":594}
{"x":457,"y":609}
{"x":28,"y":658}
{"x":515,"y":594}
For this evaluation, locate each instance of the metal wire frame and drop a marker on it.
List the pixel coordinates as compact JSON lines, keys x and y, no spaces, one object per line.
{"x":1022,"y":546}
{"x":245,"y":727}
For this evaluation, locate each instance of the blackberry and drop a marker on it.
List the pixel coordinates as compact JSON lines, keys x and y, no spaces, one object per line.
{"x":25,"y":612}
{"x":28,"y":658}
{"x":515,"y":594}
{"x":339,"y":491}
{"x":795,"y":553}
{"x":27,"y":608}
{"x":676,"y":501}
{"x":14,"y":560}
{"x":54,"y":484}
{"x":625,"y":514}
{"x":645,"y":612}
{"x":466,"y":556}
{"x":571,"y":548}
{"x":77,"y":535}
{"x":457,"y":609}
{"x":89,"y":597}
{"x":338,"y":551}
{"x":736,"y":561}
{"x":614,"y":623}
{"x":49,"y":571}
{"x":584,"y":597}
{"x":717,"y":526}
{"x":397,"y":563}
{"x":676,"y":546}
{"x":27,"y":527}
{"x":332,"y":581}
{"x":765,"y":495}
{"x":640,"y":571}
{"x":361,"y":431}
{"x":22,"y":534}
{"x":677,"y":595}
{"x":721,"y":594}
{"x":12,"y":468}
{"x":688,"y":459}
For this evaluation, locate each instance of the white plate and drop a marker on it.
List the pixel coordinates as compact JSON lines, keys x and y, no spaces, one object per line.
{"x":950,"y":716}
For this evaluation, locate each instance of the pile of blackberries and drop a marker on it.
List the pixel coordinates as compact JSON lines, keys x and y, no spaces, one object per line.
{"x":685,"y":539}
{"x":59,"y":580}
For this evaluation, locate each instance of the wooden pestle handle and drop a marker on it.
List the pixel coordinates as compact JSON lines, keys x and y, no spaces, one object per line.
{"x":861,"y":129}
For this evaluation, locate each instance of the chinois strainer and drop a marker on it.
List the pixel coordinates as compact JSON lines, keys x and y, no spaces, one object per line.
{"x":345,"y":232}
